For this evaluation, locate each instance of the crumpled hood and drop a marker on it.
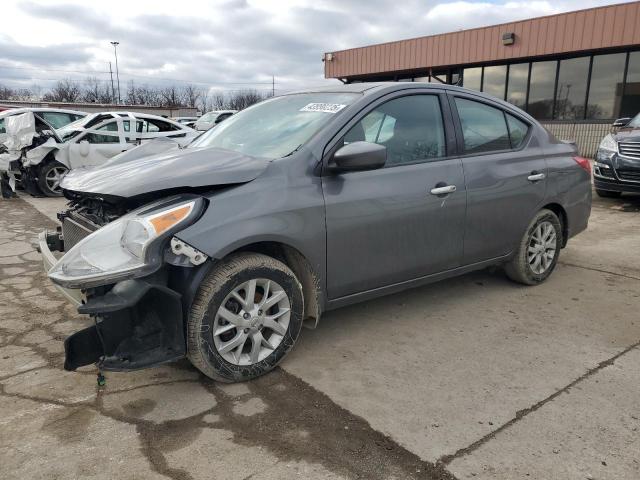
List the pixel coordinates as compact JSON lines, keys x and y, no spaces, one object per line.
{"x":184,"y":168}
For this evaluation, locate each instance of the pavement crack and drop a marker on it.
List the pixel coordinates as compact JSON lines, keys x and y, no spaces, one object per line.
{"x":520,"y":414}
{"x":594,"y":269}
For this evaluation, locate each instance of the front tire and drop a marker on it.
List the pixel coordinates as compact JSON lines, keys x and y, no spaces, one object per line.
{"x":538,"y":251}
{"x":608,"y":193}
{"x":245,"y":318}
{"x":49,"y":178}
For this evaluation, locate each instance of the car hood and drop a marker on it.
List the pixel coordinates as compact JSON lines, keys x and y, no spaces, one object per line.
{"x":170,"y":170}
{"x":627,"y":135}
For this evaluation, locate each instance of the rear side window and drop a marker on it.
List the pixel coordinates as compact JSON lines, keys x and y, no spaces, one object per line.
{"x":410,"y":127}
{"x":517,"y":131}
{"x":484,"y":128}
{"x":2,"y":129}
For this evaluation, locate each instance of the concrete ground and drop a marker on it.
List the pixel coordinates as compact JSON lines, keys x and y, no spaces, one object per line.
{"x":474,"y":377}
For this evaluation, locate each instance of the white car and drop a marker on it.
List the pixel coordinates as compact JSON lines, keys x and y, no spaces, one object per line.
{"x":92,"y":141}
{"x":55,"y":117}
{"x":210,"y":119}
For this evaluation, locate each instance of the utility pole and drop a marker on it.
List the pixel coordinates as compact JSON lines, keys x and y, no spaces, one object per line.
{"x":113,"y":89}
{"x":115,"y":52}
{"x":273,"y":85}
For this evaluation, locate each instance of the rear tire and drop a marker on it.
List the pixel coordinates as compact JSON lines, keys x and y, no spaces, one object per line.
{"x":49,"y":178}
{"x":608,"y":193}
{"x":234,"y":335}
{"x":538,"y":251}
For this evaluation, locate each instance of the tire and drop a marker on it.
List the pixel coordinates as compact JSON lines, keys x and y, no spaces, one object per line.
{"x":213,"y":354}
{"x":523,"y":267}
{"x":49,"y":178}
{"x":608,"y":193}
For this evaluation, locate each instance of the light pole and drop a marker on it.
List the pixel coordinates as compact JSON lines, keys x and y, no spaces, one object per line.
{"x":115,"y":52}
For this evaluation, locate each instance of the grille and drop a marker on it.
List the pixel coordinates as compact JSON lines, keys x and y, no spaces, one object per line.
{"x":73,"y":231}
{"x":632,"y":175}
{"x":629,"y":149}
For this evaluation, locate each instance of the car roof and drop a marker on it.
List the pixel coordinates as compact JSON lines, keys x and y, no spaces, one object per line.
{"x":221,"y":111}
{"x":16,"y":111}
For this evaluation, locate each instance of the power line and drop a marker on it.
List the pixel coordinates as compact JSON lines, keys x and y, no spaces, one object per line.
{"x":150,"y":77}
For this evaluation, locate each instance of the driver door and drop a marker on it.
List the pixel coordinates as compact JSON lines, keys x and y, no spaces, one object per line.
{"x":386,"y":226}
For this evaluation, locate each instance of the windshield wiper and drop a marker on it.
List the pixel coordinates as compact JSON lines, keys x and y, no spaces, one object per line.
{"x":292,"y":152}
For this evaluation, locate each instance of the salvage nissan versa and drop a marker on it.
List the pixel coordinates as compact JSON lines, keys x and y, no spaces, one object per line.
{"x":301,"y":204}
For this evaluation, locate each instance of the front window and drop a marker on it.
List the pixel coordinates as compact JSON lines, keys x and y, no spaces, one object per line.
{"x":277,"y":127}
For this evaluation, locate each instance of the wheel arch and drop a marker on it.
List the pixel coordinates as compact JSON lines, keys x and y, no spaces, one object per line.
{"x":561,"y":213}
{"x":302,"y":269}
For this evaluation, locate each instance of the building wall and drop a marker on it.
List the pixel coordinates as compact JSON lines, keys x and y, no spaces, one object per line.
{"x":606,"y":27}
{"x":587,"y":136}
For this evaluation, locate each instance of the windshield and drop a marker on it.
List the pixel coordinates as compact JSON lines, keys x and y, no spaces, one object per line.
{"x":635,"y":122}
{"x":276,"y":127}
{"x":72,"y":129}
{"x":209,"y":117}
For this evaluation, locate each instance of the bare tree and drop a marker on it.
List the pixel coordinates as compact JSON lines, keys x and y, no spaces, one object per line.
{"x":170,"y":96}
{"x":243,"y":99}
{"x":96,"y":91}
{"x":64,"y":90}
{"x":191,"y":95}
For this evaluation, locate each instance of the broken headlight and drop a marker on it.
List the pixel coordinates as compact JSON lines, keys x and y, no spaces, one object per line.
{"x":125,"y":248}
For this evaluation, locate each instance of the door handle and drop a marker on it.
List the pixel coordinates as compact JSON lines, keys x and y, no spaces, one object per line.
{"x":443,"y":190}
{"x":536,"y":177}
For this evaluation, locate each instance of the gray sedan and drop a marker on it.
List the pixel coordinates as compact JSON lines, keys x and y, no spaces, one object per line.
{"x":303,"y":203}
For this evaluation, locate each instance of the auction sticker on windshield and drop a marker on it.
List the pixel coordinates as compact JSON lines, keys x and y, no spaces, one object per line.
{"x":322,"y":107}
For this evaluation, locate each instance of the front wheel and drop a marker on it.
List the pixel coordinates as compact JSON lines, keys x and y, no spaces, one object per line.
{"x":608,"y":193}
{"x":538,"y":251}
{"x":245,"y":318}
{"x":49,"y":178}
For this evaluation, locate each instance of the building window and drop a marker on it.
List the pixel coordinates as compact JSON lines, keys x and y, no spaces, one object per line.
{"x":494,"y":81}
{"x":572,"y":88}
{"x":605,"y":88}
{"x":630,"y":105}
{"x":517,"y":86}
{"x":543,"y":77}
{"x":472,"y":78}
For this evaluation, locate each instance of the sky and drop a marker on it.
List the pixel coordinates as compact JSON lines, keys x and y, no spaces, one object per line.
{"x":223,"y":44}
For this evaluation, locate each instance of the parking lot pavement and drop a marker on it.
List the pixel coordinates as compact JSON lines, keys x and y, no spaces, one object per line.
{"x":474,"y":377}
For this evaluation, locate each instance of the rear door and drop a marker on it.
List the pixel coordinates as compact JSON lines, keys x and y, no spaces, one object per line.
{"x":385,"y":226}
{"x":505,"y":174}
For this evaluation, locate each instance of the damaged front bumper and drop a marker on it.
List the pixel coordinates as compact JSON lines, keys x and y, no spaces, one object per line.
{"x":137,"y":323}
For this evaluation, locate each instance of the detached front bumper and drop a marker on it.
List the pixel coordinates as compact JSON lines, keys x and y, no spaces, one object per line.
{"x":137,"y":323}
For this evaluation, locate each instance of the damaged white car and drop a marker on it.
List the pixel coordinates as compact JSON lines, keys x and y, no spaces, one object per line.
{"x":41,"y":156}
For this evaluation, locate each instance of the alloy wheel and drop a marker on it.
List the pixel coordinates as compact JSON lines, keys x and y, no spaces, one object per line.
{"x":251,"y":322}
{"x":54,"y":177}
{"x":542,"y":247}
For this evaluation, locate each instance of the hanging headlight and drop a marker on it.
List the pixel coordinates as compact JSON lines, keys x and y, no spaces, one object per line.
{"x":123,"y":248}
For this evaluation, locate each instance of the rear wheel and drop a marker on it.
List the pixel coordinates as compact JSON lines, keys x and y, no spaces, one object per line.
{"x":49,"y":178}
{"x":607,"y":193}
{"x":538,"y":250}
{"x":245,"y":318}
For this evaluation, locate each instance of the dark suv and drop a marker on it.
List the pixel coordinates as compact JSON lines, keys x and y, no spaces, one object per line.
{"x":301,"y":204}
{"x":617,"y":166}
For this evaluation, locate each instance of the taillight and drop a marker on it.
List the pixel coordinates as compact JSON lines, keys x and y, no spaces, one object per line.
{"x":584,"y":163}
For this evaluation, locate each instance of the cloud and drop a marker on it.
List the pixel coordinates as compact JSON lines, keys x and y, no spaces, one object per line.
{"x":232,"y":43}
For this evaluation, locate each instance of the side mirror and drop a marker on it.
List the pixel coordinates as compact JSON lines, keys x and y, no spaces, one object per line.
{"x":621,"y":122}
{"x":358,"y":156}
{"x":84,"y":148}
